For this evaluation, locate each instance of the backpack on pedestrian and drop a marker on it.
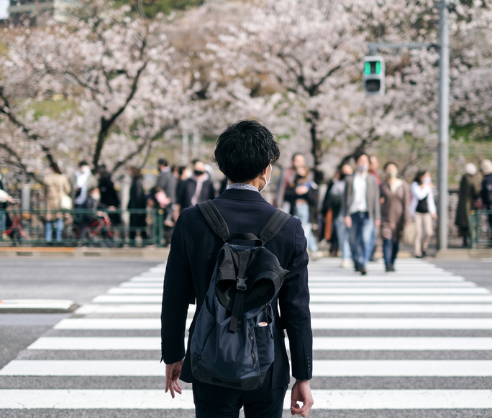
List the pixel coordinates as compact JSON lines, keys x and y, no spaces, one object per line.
{"x":232,"y":344}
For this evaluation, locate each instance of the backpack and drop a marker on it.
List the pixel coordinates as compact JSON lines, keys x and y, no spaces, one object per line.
{"x":232,"y":344}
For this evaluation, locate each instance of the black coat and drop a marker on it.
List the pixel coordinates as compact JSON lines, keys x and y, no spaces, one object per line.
{"x":138,"y":199}
{"x":109,"y":196}
{"x":486,"y":192}
{"x":187,"y":189}
{"x":190,"y":265}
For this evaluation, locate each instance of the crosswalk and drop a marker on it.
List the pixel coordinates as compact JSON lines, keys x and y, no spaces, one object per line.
{"x":416,"y":341}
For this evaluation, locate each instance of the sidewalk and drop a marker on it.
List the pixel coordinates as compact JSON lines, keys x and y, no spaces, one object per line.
{"x":148,"y":253}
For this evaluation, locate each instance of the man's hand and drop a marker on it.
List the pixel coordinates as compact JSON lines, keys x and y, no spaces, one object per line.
{"x":348,"y":221}
{"x":173,"y":371}
{"x":301,"y":392}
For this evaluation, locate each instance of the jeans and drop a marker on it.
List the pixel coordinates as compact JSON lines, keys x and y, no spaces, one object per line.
{"x":360,"y":237}
{"x":59,"y":230}
{"x":390,"y":251}
{"x":3,"y":221}
{"x":343,"y":234}
{"x":302,"y":212}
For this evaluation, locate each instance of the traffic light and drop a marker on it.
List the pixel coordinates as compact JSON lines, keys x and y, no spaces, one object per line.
{"x":373,"y":76}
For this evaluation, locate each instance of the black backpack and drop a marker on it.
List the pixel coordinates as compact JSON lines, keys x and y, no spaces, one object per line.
{"x":232,"y":343}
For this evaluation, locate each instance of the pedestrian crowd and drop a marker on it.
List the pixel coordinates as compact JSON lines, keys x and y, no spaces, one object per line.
{"x":359,"y":204}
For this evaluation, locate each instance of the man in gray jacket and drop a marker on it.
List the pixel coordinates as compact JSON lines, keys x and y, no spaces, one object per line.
{"x":361,"y":209}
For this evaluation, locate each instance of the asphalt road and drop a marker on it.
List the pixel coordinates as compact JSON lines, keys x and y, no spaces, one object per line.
{"x":83,"y":280}
{"x":77,"y":280}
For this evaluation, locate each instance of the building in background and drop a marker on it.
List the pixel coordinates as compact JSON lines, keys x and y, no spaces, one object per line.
{"x":37,"y":12}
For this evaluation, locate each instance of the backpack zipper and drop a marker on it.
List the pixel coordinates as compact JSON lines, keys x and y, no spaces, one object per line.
{"x":253,"y":355}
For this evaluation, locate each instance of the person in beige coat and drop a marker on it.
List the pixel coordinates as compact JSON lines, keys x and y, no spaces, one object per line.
{"x":395,"y":213}
{"x":56,"y":188}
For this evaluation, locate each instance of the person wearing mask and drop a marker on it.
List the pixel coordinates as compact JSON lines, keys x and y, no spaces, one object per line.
{"x":84,"y":181}
{"x":287,"y":177}
{"x":467,"y":196}
{"x":5,"y":199}
{"x":196,"y":189}
{"x":109,"y":195}
{"x":193,"y":255}
{"x":165,"y":187}
{"x":335,"y":203}
{"x":423,"y":210}
{"x":486,"y":191}
{"x":138,"y":200}
{"x":56,"y":187}
{"x":395,"y":213}
{"x":361,"y":212}
{"x":303,"y":194}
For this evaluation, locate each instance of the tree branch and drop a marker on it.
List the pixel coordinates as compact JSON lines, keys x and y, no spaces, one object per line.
{"x":19,"y":163}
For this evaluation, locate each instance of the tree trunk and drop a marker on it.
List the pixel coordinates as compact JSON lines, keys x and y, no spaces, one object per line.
{"x":313,"y":118}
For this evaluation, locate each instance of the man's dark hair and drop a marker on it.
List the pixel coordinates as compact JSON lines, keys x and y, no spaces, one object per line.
{"x":388,"y":164}
{"x":244,"y":150}
{"x":82,"y":163}
{"x":162,"y":161}
{"x":360,"y":154}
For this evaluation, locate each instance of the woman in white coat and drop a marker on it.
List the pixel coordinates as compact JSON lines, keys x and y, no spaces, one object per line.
{"x":423,"y":210}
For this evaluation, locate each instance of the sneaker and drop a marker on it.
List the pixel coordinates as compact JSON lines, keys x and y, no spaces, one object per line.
{"x":346,"y":264}
{"x":363,"y":270}
{"x":390,"y":268}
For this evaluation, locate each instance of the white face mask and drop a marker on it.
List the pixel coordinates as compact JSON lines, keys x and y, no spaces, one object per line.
{"x":267,"y":181}
{"x":96,"y":196}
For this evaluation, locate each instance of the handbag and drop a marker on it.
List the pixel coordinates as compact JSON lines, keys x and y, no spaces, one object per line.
{"x":65,"y":201}
{"x":409,"y":233}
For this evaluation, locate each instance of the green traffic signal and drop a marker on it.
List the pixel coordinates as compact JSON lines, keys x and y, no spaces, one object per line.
{"x":372,"y":67}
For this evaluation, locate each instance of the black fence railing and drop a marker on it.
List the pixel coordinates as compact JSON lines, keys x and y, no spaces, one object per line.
{"x":82,"y":227}
{"x":480,"y":228}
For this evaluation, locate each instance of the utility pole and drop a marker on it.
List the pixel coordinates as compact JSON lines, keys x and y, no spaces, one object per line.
{"x":443,"y":157}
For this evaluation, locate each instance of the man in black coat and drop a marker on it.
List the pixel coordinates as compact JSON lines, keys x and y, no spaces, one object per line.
{"x":198,"y":188}
{"x":193,"y":255}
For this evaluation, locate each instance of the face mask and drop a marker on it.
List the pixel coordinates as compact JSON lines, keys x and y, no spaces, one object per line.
{"x":392,"y":174}
{"x":427,"y":180}
{"x":362,"y":168}
{"x":199,"y":173}
{"x":96,"y":196}
{"x":267,"y":181}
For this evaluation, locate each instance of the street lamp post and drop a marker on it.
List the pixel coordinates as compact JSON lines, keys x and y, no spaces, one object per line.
{"x":443,"y":150}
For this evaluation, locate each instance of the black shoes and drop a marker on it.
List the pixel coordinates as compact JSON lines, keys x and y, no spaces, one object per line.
{"x":390,"y":268}
{"x":362,"y":270}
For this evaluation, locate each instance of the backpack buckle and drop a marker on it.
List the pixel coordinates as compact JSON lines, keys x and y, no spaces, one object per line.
{"x":241,"y":284}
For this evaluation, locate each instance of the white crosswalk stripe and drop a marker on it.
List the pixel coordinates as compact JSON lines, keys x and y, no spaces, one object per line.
{"x":421,"y":323}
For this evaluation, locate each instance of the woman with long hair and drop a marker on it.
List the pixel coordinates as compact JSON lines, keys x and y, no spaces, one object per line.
{"x":423,"y":210}
{"x":138,"y":200}
{"x":56,"y":188}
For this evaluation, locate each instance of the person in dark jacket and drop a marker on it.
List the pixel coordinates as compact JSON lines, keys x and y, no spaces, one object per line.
{"x":190,"y":265}
{"x":109,"y":195}
{"x":198,"y":188}
{"x":303,"y":195}
{"x":486,"y":192}
{"x":467,"y":196}
{"x":138,"y":200}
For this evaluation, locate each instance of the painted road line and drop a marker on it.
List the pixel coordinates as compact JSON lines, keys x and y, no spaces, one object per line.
{"x":379,"y":298}
{"x":361,"y":284}
{"x":123,"y":309}
{"x":316,"y":323}
{"x":319,"y":343}
{"x":127,"y":299}
{"x":36,"y":304}
{"x":399,"y":308}
{"x":333,"y":290}
{"x":324,"y":399}
{"x":346,"y":279}
{"x":321,"y":368}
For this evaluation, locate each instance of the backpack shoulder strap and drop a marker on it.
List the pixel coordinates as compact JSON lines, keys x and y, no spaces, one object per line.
{"x":214,"y":219}
{"x":274,"y":225}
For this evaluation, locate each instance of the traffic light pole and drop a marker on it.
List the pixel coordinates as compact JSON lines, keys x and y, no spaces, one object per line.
{"x":443,"y":153}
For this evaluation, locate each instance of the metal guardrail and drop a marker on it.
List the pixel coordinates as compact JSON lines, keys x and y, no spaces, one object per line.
{"x":480,"y":228}
{"x":82,"y":227}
